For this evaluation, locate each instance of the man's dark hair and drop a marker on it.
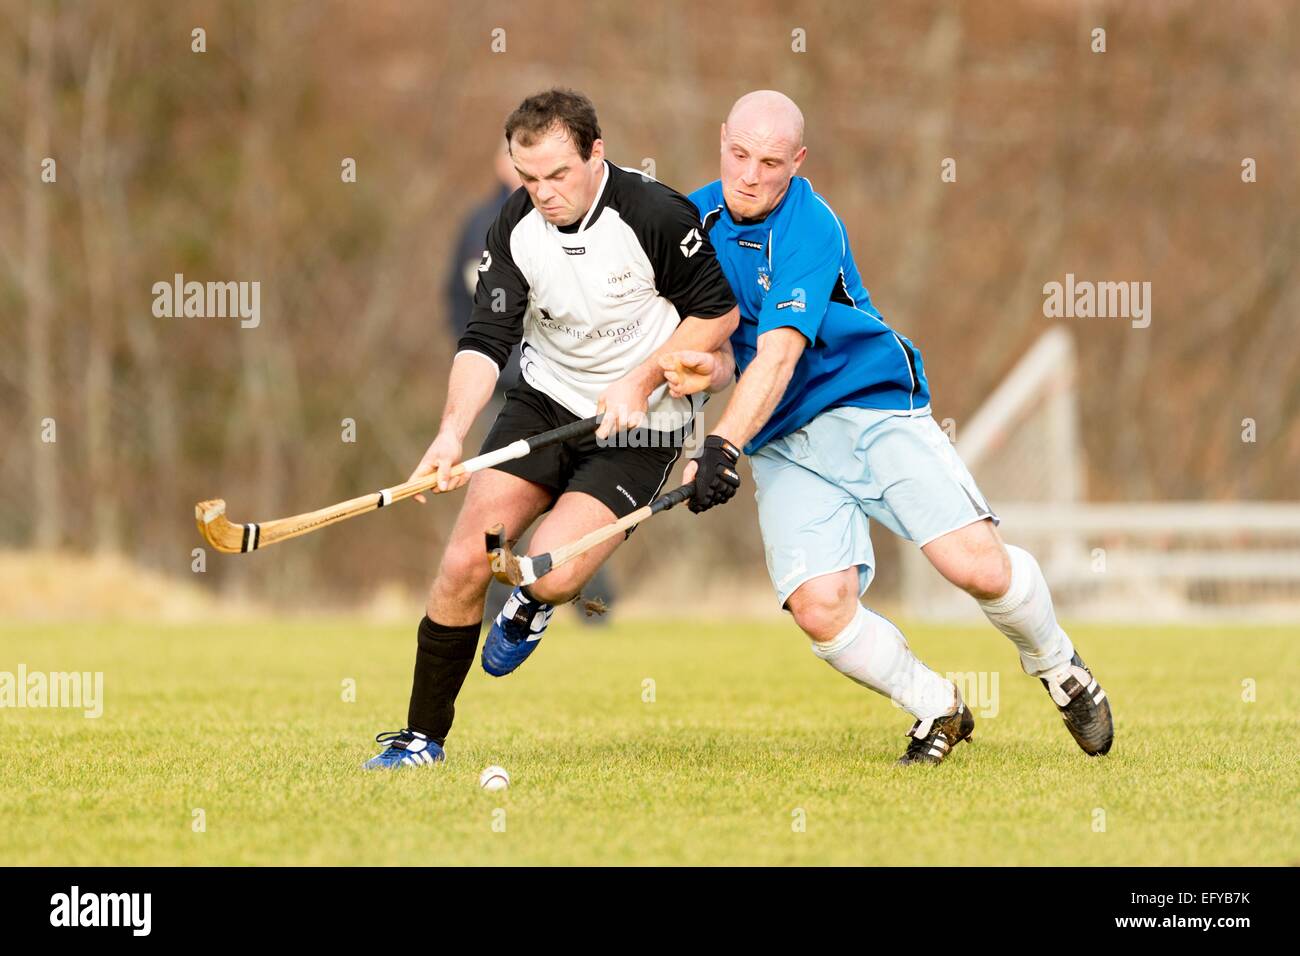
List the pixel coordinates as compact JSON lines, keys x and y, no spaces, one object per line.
{"x":543,"y":112}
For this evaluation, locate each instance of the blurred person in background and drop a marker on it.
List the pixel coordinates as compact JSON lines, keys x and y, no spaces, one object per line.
{"x":467,"y":254}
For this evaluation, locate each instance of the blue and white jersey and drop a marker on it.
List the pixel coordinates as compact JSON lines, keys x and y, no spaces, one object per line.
{"x":794,"y":269}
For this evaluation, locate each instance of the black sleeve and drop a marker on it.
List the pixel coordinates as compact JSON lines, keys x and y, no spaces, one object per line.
{"x":496,"y":323}
{"x":687,"y":273}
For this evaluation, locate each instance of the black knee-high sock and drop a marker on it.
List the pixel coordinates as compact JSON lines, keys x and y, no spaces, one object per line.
{"x":442,"y":659}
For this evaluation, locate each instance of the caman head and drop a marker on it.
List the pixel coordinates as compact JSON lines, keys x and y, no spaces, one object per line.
{"x":508,"y":567}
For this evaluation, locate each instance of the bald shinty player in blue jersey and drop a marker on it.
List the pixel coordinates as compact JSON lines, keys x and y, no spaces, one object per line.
{"x":832,"y":406}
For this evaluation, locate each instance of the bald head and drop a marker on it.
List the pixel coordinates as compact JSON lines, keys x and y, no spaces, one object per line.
{"x":770,"y":115}
{"x":762,"y":149}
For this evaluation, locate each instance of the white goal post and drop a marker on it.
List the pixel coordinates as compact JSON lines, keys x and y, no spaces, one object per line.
{"x":1176,"y":561}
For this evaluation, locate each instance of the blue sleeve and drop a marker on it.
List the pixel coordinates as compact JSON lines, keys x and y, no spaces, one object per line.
{"x":806,"y":263}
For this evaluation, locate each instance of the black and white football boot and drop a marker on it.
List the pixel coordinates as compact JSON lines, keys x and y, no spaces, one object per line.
{"x":1084,"y":707}
{"x":933,"y":739}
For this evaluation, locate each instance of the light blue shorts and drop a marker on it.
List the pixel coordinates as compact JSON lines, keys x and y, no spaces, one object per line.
{"x":818,"y":489}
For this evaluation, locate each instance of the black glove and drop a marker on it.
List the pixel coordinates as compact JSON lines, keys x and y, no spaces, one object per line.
{"x":716,"y":479}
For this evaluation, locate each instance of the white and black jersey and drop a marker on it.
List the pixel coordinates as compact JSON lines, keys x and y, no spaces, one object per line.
{"x":593,"y":300}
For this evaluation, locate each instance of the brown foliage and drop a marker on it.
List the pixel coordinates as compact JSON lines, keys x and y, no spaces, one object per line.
{"x":225,"y":165}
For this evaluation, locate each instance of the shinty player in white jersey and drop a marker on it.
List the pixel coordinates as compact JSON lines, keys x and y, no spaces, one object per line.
{"x":582,"y":251}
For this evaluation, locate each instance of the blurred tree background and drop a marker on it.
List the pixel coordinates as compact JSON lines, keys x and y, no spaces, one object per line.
{"x":225,"y":165}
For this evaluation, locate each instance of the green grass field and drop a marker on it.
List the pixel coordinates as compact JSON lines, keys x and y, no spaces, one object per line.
{"x":747,"y":735}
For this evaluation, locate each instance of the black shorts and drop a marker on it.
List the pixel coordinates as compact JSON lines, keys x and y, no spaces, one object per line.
{"x":622,"y":478}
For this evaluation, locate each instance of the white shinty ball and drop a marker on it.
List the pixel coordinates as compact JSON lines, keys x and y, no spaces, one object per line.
{"x":494,"y":778}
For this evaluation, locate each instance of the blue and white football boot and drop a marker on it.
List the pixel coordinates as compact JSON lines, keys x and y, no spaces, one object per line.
{"x":406,"y":748}
{"x":515,"y":633}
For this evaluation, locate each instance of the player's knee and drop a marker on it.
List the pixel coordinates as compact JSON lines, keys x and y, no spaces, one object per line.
{"x":823,"y":606}
{"x":989,"y":576}
{"x":463,"y":574}
{"x":558,"y":587}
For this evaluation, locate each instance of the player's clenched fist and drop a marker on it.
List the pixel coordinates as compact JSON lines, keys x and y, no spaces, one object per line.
{"x":443,"y":453}
{"x":688,"y":372}
{"x":624,"y":406}
{"x":714,"y":473}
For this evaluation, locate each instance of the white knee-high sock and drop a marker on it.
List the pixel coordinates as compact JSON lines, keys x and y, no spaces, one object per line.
{"x":1025,"y":615}
{"x":874,"y":653}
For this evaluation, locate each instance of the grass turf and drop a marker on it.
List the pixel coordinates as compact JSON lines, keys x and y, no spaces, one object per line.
{"x":751,"y":752}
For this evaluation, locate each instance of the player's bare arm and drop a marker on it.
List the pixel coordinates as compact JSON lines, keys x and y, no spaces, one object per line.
{"x":762,"y":386}
{"x":626,"y":400}
{"x":759,"y":390}
{"x":468,"y":389}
